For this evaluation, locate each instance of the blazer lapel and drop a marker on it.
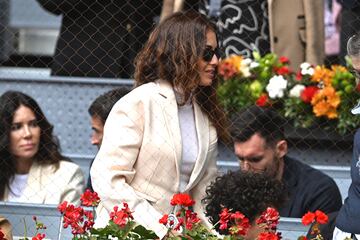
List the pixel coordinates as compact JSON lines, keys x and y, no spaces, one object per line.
{"x":202,"y":130}
{"x":170,"y":113}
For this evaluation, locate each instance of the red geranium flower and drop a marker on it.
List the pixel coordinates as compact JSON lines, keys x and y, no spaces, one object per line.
{"x":284,"y":70}
{"x":164,"y":219}
{"x":284,"y":59}
{"x":224,"y":218}
{"x":298,"y":76}
{"x":182,"y":199}
{"x":308,"y":93}
{"x":321,"y":217}
{"x":263,"y":100}
{"x":308,"y":218}
{"x":39,"y":236}
{"x":89,"y":199}
{"x":268,"y":236}
{"x":120,"y":217}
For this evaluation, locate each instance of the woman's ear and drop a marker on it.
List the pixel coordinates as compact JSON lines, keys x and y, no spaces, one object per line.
{"x":281,"y":148}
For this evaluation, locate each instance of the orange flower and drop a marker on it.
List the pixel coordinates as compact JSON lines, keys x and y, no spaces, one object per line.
{"x":322,"y":74}
{"x":325,"y":103}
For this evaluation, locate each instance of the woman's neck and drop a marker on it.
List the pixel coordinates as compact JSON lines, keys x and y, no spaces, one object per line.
{"x":23,"y":165}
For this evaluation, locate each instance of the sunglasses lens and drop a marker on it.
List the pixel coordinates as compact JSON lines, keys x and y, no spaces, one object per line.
{"x":208,"y":55}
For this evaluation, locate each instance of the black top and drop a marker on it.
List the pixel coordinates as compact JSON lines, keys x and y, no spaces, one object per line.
{"x":309,"y":190}
{"x":349,"y":215}
{"x":244,"y":26}
{"x":100,"y":38}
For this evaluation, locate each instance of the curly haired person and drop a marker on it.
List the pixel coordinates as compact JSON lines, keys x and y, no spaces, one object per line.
{"x":246,"y":192}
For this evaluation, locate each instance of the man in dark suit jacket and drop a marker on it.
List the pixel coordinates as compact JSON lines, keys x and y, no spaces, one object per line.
{"x":347,"y":221}
{"x":349,"y":23}
{"x":260,"y":145}
{"x":100,"y":38}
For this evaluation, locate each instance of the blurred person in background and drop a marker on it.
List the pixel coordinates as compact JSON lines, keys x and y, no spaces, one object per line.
{"x":290,"y":28}
{"x":99,"y":111}
{"x":332,"y":32}
{"x":32,"y":167}
{"x":100,"y":38}
{"x":349,"y":24}
{"x":260,"y":145}
{"x":247,"y":192}
{"x":161,"y":138}
{"x":347,"y":221}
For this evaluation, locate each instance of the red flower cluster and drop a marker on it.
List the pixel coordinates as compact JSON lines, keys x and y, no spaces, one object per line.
{"x":89,"y":199}
{"x":185,"y":217}
{"x":182,"y":199}
{"x":241,"y":226}
{"x":270,"y":218}
{"x":79,"y":219}
{"x":39,"y":236}
{"x":121,"y":217}
{"x":268,"y":236}
{"x":284,"y":70}
{"x":263,"y":100}
{"x":311,"y":217}
{"x":308,"y":93}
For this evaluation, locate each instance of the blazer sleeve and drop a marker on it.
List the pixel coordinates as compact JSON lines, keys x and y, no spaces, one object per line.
{"x":114,"y":166}
{"x":315,"y":35}
{"x":75,"y":184}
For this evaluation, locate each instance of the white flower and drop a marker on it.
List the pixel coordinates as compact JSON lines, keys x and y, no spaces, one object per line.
{"x":306,"y":69}
{"x":276,"y":86}
{"x":296,"y":90}
{"x":254,"y":65}
{"x":245,"y":67}
{"x":305,"y":65}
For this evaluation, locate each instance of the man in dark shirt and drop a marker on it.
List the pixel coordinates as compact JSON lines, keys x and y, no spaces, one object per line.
{"x":260,"y":146}
{"x":347,"y":221}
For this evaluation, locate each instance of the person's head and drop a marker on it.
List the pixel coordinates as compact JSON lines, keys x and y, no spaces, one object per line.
{"x":25,"y":136}
{"x":247,"y":192}
{"x":183,"y":50}
{"x":99,"y":111}
{"x":259,"y":140}
{"x":353,"y":50}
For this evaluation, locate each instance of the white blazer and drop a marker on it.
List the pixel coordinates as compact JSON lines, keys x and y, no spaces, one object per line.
{"x":139,"y":159}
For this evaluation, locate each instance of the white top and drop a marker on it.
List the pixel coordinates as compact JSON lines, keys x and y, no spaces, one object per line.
{"x":17,"y":187}
{"x":189,"y":141}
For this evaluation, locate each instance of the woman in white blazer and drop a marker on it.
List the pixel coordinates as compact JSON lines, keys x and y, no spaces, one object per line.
{"x":161,"y":138}
{"x":32,"y":168}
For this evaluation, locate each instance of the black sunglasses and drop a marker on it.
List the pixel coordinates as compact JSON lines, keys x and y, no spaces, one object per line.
{"x":209,"y":53}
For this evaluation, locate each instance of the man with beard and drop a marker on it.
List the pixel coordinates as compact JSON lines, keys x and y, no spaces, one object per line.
{"x":260,"y":145}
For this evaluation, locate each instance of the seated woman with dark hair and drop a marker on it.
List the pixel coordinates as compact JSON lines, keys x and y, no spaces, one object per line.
{"x":32,"y":167}
{"x":246,"y":192}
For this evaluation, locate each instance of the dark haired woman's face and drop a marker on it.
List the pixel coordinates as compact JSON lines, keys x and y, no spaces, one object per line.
{"x":24,"y":134}
{"x":207,"y":69}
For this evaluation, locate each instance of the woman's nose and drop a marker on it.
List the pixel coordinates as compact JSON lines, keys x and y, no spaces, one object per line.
{"x":27,"y":132}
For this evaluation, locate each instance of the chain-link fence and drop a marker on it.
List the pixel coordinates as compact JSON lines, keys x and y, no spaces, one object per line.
{"x":64,"y":54}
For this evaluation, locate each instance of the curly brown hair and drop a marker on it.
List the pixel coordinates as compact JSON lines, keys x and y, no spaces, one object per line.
{"x":172,"y":53}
